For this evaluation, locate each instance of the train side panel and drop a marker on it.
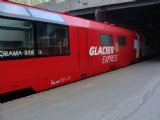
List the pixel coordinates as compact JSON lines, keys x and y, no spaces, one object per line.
{"x":98,"y":62}
{"x":41,"y":73}
{"x":126,"y":52}
{"x":109,"y":57}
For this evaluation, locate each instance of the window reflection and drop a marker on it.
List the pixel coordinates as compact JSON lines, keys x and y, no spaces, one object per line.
{"x":52,"y":39}
{"x":16,"y":38}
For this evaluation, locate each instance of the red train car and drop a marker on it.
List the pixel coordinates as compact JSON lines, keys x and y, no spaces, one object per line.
{"x":40,"y":49}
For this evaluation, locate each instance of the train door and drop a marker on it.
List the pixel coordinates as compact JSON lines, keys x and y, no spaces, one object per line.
{"x":124,"y":52}
{"x":138,"y":47}
{"x":83,"y":48}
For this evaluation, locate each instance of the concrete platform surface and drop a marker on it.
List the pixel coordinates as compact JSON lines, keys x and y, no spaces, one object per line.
{"x":130,"y":93}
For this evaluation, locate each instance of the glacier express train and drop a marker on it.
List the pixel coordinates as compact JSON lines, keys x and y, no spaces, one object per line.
{"x":42,"y":49}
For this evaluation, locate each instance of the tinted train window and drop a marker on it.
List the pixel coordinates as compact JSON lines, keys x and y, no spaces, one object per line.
{"x":106,"y":39}
{"x":52,"y":39}
{"x":121,"y":40}
{"x":15,"y":39}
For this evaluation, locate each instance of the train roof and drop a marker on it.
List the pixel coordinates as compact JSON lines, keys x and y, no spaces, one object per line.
{"x":29,"y":13}
{"x":81,"y":22}
{"x":21,"y":11}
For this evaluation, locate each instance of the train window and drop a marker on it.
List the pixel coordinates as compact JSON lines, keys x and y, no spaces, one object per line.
{"x":15,"y":39}
{"x":121,"y":40}
{"x":52,"y":40}
{"x":106,"y":39}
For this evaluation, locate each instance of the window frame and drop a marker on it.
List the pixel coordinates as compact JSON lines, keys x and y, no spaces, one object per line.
{"x":34,"y":35}
{"x":125,"y":40}
{"x":18,"y":28}
{"x":41,"y":56}
{"x":107,"y":35}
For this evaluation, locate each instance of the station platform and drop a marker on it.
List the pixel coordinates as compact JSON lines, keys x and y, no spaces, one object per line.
{"x":130,"y":93}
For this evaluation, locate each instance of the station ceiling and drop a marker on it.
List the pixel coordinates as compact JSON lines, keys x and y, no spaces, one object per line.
{"x":142,"y":16}
{"x":145,"y":19}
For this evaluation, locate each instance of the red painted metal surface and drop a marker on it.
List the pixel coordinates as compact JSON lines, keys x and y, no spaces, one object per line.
{"x":83,"y":47}
{"x":87,"y":58}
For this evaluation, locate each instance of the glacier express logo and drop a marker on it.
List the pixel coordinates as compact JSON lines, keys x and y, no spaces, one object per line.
{"x":106,"y":50}
{"x":107,"y":53}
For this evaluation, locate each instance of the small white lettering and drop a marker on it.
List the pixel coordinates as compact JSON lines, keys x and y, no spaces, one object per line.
{"x":29,"y":52}
{"x":61,"y":80}
{"x":16,"y":53}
